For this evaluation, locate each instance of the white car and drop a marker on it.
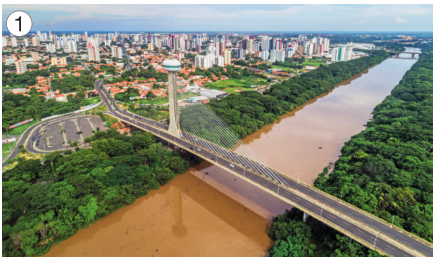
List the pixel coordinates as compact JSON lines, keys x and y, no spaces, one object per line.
{"x":198,"y":149}
{"x":232,"y":165}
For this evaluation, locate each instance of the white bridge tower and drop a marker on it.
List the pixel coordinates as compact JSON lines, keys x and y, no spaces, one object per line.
{"x":172,"y":66}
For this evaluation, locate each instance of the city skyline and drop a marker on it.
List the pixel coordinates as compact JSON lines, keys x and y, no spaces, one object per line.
{"x":285,"y":18}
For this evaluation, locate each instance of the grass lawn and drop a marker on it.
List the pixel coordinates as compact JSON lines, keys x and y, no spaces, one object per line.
{"x":6,"y":148}
{"x":93,"y":100}
{"x":283,"y":68}
{"x":230,"y":85}
{"x":22,"y":128}
{"x":161,"y":101}
{"x":25,"y":155}
{"x":98,"y":109}
{"x":316,"y":62}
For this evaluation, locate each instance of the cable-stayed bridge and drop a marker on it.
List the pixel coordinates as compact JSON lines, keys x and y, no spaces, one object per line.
{"x":214,"y":141}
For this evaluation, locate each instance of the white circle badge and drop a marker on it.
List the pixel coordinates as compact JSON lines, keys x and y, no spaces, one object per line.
{"x":19,"y":23}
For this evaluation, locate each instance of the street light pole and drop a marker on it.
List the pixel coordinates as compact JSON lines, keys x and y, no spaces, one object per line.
{"x":392,"y":222}
{"x":299,"y":175}
{"x":321,"y":210}
{"x":341,"y":196}
{"x":374,"y":244}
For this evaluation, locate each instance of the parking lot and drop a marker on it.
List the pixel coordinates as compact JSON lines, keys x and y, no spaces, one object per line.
{"x":51,"y":138}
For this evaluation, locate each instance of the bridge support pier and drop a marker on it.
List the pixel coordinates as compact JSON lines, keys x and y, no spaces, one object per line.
{"x":413,"y":56}
{"x":305,"y":217}
{"x":172,"y":66}
{"x":397,"y":55}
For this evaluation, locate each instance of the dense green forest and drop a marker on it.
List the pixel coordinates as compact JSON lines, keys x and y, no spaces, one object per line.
{"x":249,"y":111}
{"x":150,"y":72}
{"x":17,"y":108}
{"x":295,"y":238}
{"x":69,"y":83}
{"x":387,"y":170}
{"x":47,"y":203}
{"x":24,"y":80}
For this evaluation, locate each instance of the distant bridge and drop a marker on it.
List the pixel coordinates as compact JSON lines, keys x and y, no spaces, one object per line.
{"x":396,"y":54}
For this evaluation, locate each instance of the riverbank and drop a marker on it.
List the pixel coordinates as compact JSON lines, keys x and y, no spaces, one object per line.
{"x":387,"y":169}
{"x":321,"y":119}
{"x":360,"y":174}
{"x":45,"y":205}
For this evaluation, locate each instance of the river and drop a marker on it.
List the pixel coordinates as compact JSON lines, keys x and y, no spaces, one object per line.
{"x":210,"y":212}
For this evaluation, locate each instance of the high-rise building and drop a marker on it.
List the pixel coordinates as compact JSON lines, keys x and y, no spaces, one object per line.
{"x":20,"y":66}
{"x":227,"y":57}
{"x":276,"y":55}
{"x":116,"y":52}
{"x":244,"y":44}
{"x":219,"y":60}
{"x":326,"y":43}
{"x":62,"y":61}
{"x":208,"y":61}
{"x":264,"y":55}
{"x":265,"y":42}
{"x":35,"y":42}
{"x":342,"y":53}
{"x":240,"y":54}
{"x":256,"y":46}
{"x":14,"y":42}
{"x":250,"y":46}
{"x":320,"y":49}
{"x":93,"y":51}
{"x":4,"y":41}
{"x":150,"y":46}
{"x":51,"y":48}
{"x":72,"y":46}
{"x":35,"y":57}
{"x":54,"y":61}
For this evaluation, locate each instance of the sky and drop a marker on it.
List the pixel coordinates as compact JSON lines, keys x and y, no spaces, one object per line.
{"x":221,"y":18}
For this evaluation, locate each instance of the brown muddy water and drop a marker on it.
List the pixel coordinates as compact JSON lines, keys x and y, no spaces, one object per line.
{"x":210,"y":212}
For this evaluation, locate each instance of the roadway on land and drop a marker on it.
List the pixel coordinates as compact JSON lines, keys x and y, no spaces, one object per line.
{"x":354,"y":223}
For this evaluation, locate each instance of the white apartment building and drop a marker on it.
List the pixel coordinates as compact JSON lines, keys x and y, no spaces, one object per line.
{"x":21,"y":66}
{"x":342,"y":53}
{"x":14,"y":42}
{"x":276,"y":55}
{"x":208,"y":61}
{"x":264,"y":55}
{"x":326,"y":44}
{"x":51,"y":48}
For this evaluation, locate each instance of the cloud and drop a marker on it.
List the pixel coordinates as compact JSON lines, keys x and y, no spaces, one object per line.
{"x":78,"y":17}
{"x":400,"y":20}
{"x":229,"y":17}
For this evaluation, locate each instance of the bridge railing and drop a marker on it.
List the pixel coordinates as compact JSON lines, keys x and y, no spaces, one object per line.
{"x":217,"y":150}
{"x":316,"y":215}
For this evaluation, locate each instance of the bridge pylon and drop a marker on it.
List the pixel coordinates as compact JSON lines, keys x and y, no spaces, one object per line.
{"x":172,"y":66}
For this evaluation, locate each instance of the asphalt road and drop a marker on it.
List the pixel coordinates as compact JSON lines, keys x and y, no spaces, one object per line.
{"x":28,"y":146}
{"x":124,"y":53}
{"x":224,"y":157}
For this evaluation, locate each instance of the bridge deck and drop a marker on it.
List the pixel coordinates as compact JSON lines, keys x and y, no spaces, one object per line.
{"x":343,"y":217}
